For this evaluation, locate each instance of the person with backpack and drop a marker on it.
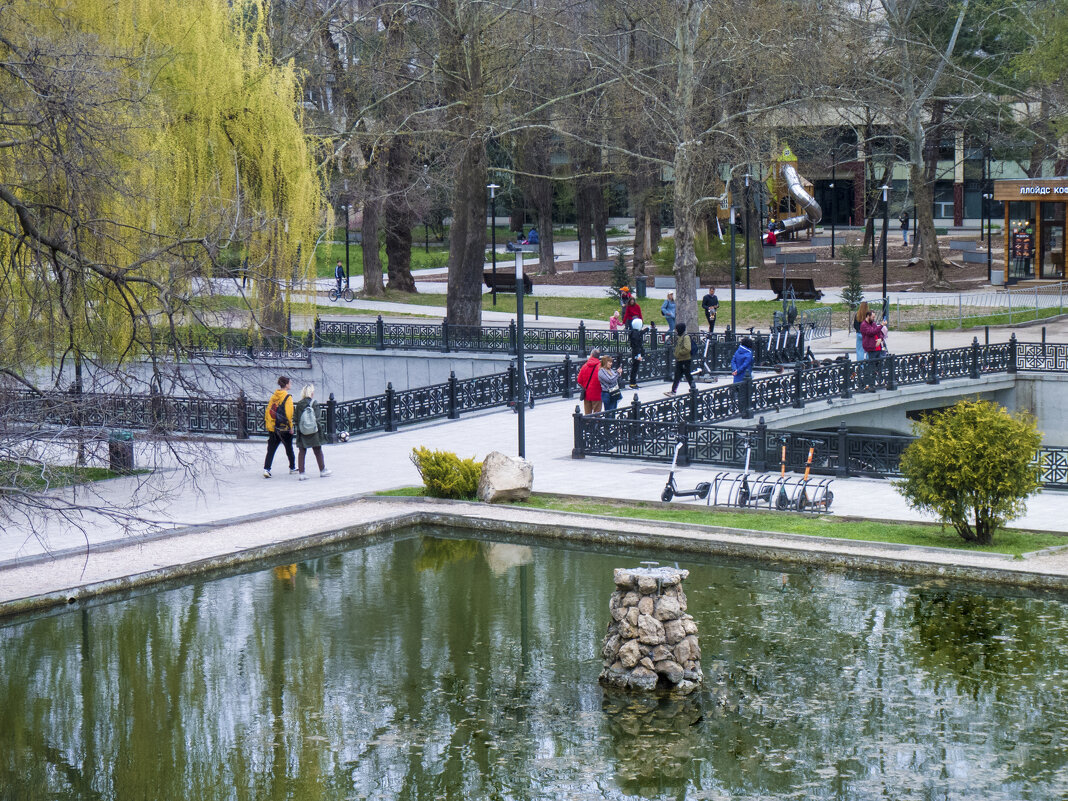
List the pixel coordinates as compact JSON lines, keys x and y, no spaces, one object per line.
{"x":635,"y":336}
{"x":683,"y":359}
{"x":309,"y":432}
{"x":589,"y":383}
{"x":278,"y":420}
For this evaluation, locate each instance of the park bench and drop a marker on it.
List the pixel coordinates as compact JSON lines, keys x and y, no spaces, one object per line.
{"x":804,"y":288}
{"x":796,"y":257}
{"x":505,"y":282}
{"x":591,"y":266}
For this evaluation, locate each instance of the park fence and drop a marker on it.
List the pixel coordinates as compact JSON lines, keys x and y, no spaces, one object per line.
{"x":651,"y":430}
{"x":976,"y":308}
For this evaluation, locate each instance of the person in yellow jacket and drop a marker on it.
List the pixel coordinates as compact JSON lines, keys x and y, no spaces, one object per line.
{"x":279,"y":421}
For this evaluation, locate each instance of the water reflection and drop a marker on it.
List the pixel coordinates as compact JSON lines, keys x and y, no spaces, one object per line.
{"x":437,"y":668}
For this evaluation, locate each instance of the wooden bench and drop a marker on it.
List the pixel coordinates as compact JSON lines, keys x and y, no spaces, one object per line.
{"x":804,"y":288}
{"x":796,"y":257}
{"x":592,"y":266}
{"x":505,"y":282}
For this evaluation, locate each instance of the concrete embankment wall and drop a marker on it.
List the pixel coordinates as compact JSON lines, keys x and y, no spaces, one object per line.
{"x":348,"y":374}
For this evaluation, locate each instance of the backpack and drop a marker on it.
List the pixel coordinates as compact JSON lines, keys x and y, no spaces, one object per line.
{"x":281,"y":420}
{"x":309,"y":423}
{"x":683,"y":348}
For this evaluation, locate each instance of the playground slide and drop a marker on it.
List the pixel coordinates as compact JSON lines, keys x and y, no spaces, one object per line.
{"x":813,"y":213}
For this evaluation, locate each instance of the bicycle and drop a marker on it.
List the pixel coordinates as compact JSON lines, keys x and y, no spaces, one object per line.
{"x":345,"y":293}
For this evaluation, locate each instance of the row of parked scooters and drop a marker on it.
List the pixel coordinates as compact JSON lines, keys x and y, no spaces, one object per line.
{"x":761,"y":491}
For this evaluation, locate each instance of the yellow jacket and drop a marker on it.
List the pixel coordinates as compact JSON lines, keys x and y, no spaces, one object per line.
{"x":276,"y":398}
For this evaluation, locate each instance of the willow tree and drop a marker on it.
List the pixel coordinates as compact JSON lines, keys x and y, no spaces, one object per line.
{"x":139,"y":141}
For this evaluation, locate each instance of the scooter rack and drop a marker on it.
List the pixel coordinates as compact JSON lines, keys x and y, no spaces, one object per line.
{"x":771,"y":491}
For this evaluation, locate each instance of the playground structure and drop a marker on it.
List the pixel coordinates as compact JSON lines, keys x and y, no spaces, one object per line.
{"x":791,"y":195}
{"x":786,"y":197}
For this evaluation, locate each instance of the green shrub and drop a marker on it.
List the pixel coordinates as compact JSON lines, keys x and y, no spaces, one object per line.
{"x":853,"y":292}
{"x":446,"y":475}
{"x":712,"y":255}
{"x":973,"y":465}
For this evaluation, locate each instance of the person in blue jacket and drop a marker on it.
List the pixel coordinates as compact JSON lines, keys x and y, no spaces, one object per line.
{"x":742,"y":363}
{"x":667,"y":308}
{"x":532,"y":237}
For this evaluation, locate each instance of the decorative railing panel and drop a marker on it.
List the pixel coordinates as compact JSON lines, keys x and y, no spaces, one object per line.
{"x":1044,"y":357}
{"x":1054,"y":463}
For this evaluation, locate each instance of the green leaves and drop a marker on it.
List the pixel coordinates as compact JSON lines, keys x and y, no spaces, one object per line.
{"x":974,"y":466}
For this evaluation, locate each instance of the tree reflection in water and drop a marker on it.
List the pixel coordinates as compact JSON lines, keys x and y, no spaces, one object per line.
{"x":432,"y":667}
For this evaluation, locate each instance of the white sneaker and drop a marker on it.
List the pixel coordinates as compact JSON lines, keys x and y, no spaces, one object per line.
{"x":293,"y":471}
{"x":670,"y":393}
{"x":266,"y":473}
{"x":325,"y":473}
{"x":302,"y":477}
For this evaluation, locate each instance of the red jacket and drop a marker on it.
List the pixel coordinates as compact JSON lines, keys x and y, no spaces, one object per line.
{"x":588,"y":379}
{"x":630,"y":311}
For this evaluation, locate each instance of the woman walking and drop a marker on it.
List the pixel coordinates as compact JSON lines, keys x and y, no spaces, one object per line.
{"x":309,"y":432}
{"x":858,"y":318}
{"x":609,"y":379}
{"x":637,"y":350}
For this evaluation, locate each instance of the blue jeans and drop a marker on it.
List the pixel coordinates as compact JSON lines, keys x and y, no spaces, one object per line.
{"x":860,"y":347}
{"x":610,"y":403}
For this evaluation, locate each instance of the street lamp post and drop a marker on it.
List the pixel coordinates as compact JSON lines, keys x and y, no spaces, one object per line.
{"x":886,"y":224}
{"x":346,"y":208}
{"x":426,"y":228}
{"x":493,"y":235}
{"x":519,"y":354}
{"x":987,"y":197}
{"x":834,"y":202}
{"x":734,"y":210}
{"x":747,"y":176}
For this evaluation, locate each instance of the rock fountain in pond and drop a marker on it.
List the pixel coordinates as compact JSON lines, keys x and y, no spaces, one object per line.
{"x":651,"y":641}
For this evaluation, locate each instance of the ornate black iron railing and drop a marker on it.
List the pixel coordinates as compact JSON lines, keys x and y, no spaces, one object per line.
{"x":769,"y":349}
{"x":650,"y":430}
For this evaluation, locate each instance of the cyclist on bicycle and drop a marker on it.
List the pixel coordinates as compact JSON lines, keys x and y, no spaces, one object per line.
{"x":339,"y":274}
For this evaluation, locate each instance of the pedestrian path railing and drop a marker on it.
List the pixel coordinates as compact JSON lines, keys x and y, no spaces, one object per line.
{"x":841,"y":452}
{"x":650,"y":430}
{"x":977,"y":308}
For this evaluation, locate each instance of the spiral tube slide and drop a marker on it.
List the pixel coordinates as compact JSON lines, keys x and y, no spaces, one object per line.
{"x":813,"y":213}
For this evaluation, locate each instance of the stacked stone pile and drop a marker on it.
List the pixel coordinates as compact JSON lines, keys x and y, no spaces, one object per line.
{"x":651,"y":641}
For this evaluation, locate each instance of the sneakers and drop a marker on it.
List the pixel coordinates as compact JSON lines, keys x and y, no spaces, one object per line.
{"x":633,"y":386}
{"x":293,"y":471}
{"x":266,"y":473}
{"x":670,"y":393}
{"x":325,"y":473}
{"x":302,"y":477}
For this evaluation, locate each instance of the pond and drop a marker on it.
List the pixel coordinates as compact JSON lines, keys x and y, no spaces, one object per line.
{"x":428,"y":667}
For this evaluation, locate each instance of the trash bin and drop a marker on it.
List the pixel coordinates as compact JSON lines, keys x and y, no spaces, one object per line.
{"x":641,"y":286}
{"x":120,"y":451}
{"x":997,"y":278}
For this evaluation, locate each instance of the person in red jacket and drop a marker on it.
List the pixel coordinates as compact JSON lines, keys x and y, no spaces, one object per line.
{"x":630,"y":311}
{"x":871,"y":336}
{"x":590,"y":384}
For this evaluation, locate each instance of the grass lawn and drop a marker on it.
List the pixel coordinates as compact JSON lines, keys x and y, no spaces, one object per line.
{"x":1000,"y":318}
{"x":1012,"y":542}
{"x":29,"y":477}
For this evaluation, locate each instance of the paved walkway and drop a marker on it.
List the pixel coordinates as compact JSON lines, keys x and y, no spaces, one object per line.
{"x":230,"y":487}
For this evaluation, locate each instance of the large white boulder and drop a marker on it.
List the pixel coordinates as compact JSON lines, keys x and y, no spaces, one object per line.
{"x":505,"y":478}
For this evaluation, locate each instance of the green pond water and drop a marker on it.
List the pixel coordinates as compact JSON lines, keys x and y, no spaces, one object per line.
{"x":428,"y":668}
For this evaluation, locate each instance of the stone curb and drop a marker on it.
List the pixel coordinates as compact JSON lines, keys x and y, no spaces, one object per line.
{"x":573,"y":529}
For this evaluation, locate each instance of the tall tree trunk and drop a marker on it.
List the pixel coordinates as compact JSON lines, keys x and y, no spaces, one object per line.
{"x":600,"y":218}
{"x":461,"y":61}
{"x":372,"y":264}
{"x":584,"y":219}
{"x":467,"y":237}
{"x":398,"y":215}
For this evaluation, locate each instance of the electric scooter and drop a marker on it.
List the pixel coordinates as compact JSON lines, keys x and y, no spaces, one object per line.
{"x":760,"y":491}
{"x":671,"y":489}
{"x":813,"y":495}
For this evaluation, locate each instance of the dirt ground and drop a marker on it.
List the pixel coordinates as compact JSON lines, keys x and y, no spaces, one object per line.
{"x":825,"y":272}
